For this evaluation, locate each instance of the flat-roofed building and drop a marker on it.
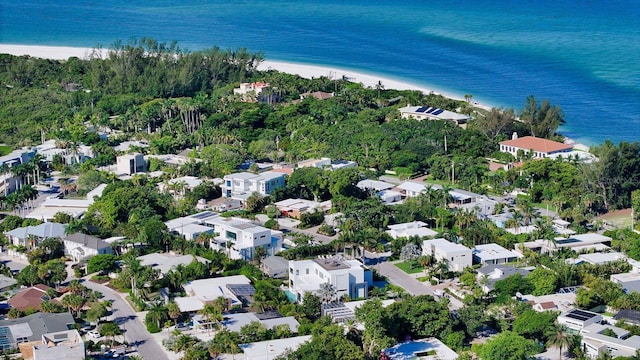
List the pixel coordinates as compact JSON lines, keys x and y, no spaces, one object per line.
{"x":272,"y":349}
{"x":490,"y":254}
{"x":457,"y":256}
{"x":245,"y":183}
{"x":597,"y":339}
{"x":203,"y":291}
{"x":576,"y":319}
{"x":348,"y":277}
{"x":58,"y":345}
{"x":432,"y":113}
{"x":130,"y":164}
{"x":240,"y":238}
{"x":414,"y":228}
{"x":541,"y":148}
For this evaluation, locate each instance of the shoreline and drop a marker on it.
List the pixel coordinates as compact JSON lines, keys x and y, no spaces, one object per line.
{"x":304,"y":70}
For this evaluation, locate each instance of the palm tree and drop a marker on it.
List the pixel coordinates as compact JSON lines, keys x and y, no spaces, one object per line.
{"x":559,"y":337}
{"x":212,"y":313}
{"x":174,"y":311}
{"x":157,"y":313}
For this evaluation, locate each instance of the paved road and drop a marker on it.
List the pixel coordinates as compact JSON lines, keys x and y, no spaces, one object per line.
{"x":400,"y":278}
{"x":134,"y":331}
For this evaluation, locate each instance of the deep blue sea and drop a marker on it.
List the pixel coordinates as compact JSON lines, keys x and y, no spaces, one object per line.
{"x":583,"y":55}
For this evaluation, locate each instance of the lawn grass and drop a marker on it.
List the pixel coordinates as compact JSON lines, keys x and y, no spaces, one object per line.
{"x":407,"y":267}
{"x":4,"y":150}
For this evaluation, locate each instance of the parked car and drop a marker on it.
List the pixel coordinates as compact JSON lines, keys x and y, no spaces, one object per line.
{"x":93,"y":334}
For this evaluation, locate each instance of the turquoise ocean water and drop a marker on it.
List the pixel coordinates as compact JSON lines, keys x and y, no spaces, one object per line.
{"x":582,"y":55}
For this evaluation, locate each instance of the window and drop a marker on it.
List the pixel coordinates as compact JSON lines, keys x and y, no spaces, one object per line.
{"x":297,"y":272}
{"x":307,"y":271}
{"x":291,"y":270}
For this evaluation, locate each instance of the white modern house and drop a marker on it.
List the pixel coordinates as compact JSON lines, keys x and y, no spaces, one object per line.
{"x":414,"y":228}
{"x":457,"y":256}
{"x":165,"y":262}
{"x":203,"y":291}
{"x":596,"y":341}
{"x":576,"y":319}
{"x":348,"y":277}
{"x":490,"y":254}
{"x":240,"y":238}
{"x":130,"y":164}
{"x":244,"y":184}
{"x":80,"y":246}
{"x":432,"y":113}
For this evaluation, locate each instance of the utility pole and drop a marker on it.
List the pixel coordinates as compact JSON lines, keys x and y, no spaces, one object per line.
{"x":453,"y":172}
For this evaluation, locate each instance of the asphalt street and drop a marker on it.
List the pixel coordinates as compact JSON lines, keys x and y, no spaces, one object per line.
{"x":134,"y":331}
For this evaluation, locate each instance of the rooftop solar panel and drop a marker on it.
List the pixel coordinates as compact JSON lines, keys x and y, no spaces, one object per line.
{"x":241,"y":289}
{"x":431,"y":110}
{"x":421,"y":109}
{"x":438,"y":112}
{"x":580,"y":315}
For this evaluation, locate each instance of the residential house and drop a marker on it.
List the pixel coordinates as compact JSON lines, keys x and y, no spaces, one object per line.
{"x":240,"y":238}
{"x":413,"y":188}
{"x":74,"y":207}
{"x":407,"y":230}
{"x":348,"y":277}
{"x":58,"y":345}
{"x":275,"y":267}
{"x":165,"y":262}
{"x":30,"y":298}
{"x":630,"y":281}
{"x":599,"y":339}
{"x":576,"y":319}
{"x":9,"y":182}
{"x":81,"y":246}
{"x":341,"y":312}
{"x":130,"y":164}
{"x":432,"y":113}
{"x":242,"y":185}
{"x":28,"y":330}
{"x":296,"y":207}
{"x":490,"y":274}
{"x":235,"y":321}
{"x":320,"y":95}
{"x":490,"y":254}
{"x":252,"y":92}
{"x":6,"y":283}
{"x":374,"y":186}
{"x":327,"y":163}
{"x":31,"y":236}
{"x":541,"y":148}
{"x":457,"y":256}
{"x":272,"y":349}
{"x":203,"y":291}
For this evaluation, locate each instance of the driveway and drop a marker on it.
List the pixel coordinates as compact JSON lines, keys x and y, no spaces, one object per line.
{"x":399,"y":278}
{"x":134,"y":331}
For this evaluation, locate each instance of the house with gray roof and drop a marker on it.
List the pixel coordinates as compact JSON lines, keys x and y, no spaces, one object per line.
{"x":31,"y":328}
{"x":491,"y":274}
{"x":31,"y":236}
{"x":80,"y":246}
{"x":66,"y":344}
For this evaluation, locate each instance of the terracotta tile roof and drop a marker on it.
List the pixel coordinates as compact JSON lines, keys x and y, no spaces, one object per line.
{"x":537,"y":144}
{"x":547,"y":305}
{"x":29,"y":298}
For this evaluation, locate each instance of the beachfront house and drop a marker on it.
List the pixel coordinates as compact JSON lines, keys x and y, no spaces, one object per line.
{"x":541,"y":148}
{"x":432,"y":113}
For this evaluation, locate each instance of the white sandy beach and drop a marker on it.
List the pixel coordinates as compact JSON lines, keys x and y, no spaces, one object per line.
{"x":304,"y":70}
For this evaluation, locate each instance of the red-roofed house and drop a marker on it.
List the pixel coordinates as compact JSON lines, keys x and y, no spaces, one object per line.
{"x":30,"y":298}
{"x":541,"y":148}
{"x":545,"y":306}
